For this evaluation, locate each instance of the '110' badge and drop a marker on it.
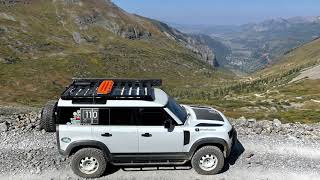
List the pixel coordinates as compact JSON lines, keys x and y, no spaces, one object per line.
{"x":89,"y":116}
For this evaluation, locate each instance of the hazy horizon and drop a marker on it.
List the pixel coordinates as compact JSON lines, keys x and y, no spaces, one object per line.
{"x":228,"y":12}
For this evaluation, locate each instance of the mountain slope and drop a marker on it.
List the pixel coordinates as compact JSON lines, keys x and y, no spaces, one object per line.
{"x":193,"y":43}
{"x":287,"y":90}
{"x":299,"y":58}
{"x":46,"y":43}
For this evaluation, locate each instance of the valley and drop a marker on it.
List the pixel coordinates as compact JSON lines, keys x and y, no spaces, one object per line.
{"x":254,"y":46}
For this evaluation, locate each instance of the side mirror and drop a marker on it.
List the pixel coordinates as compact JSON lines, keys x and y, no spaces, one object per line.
{"x":168,"y":124}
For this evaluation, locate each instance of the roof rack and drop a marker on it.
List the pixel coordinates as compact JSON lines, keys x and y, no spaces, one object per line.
{"x":88,"y":89}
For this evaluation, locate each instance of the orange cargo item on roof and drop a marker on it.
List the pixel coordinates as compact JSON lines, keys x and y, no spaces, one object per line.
{"x":105,"y":87}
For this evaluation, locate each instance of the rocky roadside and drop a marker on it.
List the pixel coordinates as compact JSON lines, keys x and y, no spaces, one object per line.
{"x":23,"y":145}
{"x":266,"y":150}
{"x":271,"y":128}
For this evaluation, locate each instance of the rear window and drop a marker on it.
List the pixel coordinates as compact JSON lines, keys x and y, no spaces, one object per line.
{"x":122,"y":116}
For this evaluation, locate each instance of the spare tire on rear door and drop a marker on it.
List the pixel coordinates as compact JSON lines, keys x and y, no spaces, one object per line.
{"x":48,"y":120}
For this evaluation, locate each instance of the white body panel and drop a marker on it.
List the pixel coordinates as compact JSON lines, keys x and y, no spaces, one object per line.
{"x":124,"y":139}
{"x":75,"y":133}
{"x":161,"y":141}
{"x":206,"y":132}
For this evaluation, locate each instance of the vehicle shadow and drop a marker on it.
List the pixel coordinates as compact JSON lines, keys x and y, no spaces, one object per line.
{"x":111,"y":169}
{"x":158,"y":168}
{"x":236,"y":151}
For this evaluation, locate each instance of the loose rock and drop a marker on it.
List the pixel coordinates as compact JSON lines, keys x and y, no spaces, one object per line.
{"x":3,"y":127}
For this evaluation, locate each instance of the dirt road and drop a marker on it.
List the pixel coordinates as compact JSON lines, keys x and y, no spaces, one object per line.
{"x":33,"y":155}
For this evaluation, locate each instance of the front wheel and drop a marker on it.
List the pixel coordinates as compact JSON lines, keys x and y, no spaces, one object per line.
{"x":208,"y":160}
{"x":89,"y":163}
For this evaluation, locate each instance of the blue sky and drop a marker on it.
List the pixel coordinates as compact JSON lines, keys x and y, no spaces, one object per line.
{"x":219,"y":12}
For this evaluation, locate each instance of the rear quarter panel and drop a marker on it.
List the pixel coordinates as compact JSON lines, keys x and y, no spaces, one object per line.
{"x":74,"y":132}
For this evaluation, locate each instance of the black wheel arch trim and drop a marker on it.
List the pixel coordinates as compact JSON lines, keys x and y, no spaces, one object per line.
{"x":204,"y":141}
{"x":105,"y":149}
{"x":58,"y":137}
{"x":88,"y":143}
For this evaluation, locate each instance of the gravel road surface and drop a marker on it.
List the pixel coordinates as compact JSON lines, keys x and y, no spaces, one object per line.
{"x":266,"y":150}
{"x":33,"y":155}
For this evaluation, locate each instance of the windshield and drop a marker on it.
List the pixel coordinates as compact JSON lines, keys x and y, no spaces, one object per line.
{"x":177,"y":109}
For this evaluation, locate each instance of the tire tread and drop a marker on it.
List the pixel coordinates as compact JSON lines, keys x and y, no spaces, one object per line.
{"x":205,"y":150}
{"x":47,"y":121}
{"x":97,"y":153}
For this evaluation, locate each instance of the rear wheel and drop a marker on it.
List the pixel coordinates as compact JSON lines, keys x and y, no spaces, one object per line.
{"x":208,"y":160}
{"x":89,"y":163}
{"x":48,"y":121}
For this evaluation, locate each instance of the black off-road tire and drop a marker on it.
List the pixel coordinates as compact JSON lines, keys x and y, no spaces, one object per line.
{"x":208,"y":150}
{"x":97,"y":154}
{"x":48,"y":120}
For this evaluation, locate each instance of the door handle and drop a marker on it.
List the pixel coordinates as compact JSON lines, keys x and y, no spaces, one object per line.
{"x":106,"y":135}
{"x":146,"y":135}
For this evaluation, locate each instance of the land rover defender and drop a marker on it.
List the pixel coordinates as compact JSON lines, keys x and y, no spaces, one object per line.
{"x":130,"y":122}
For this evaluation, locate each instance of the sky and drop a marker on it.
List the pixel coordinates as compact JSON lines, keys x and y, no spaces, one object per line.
{"x":219,"y":12}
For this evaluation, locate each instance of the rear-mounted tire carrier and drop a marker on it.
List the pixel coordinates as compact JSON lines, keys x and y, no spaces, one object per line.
{"x":48,"y":119}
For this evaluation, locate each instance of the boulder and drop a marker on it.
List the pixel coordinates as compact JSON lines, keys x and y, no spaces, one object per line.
{"x":4,"y":127}
{"x":76,"y":37}
{"x":276,"y":122}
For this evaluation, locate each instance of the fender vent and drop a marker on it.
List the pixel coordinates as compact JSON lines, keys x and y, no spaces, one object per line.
{"x":186,"y":137}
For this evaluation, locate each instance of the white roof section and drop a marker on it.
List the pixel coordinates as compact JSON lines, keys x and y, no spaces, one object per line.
{"x":160,"y":100}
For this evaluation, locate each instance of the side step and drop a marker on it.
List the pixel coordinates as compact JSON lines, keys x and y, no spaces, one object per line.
{"x":150,"y":163}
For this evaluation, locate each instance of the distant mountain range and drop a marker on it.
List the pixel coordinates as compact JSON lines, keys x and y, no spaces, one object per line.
{"x":257,"y":45}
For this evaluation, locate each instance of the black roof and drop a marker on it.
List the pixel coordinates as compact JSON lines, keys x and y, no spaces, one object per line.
{"x":84,"y":90}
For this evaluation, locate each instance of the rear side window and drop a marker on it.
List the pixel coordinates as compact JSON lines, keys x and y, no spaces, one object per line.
{"x":67,"y":114}
{"x":94,"y":116}
{"x":152,"y":117}
{"x":122,"y":116}
{"x":114,"y":116}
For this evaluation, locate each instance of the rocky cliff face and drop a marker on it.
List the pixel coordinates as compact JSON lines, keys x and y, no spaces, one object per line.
{"x":204,"y":52}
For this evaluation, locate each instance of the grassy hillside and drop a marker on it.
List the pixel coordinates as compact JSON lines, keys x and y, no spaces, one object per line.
{"x":304,"y":56}
{"x":46,"y":43}
{"x":270,"y":93}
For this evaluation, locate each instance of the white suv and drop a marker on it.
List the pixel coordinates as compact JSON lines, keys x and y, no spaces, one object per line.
{"x":128,"y":122}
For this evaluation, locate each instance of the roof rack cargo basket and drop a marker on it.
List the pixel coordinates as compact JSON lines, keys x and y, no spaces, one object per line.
{"x":88,"y":89}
